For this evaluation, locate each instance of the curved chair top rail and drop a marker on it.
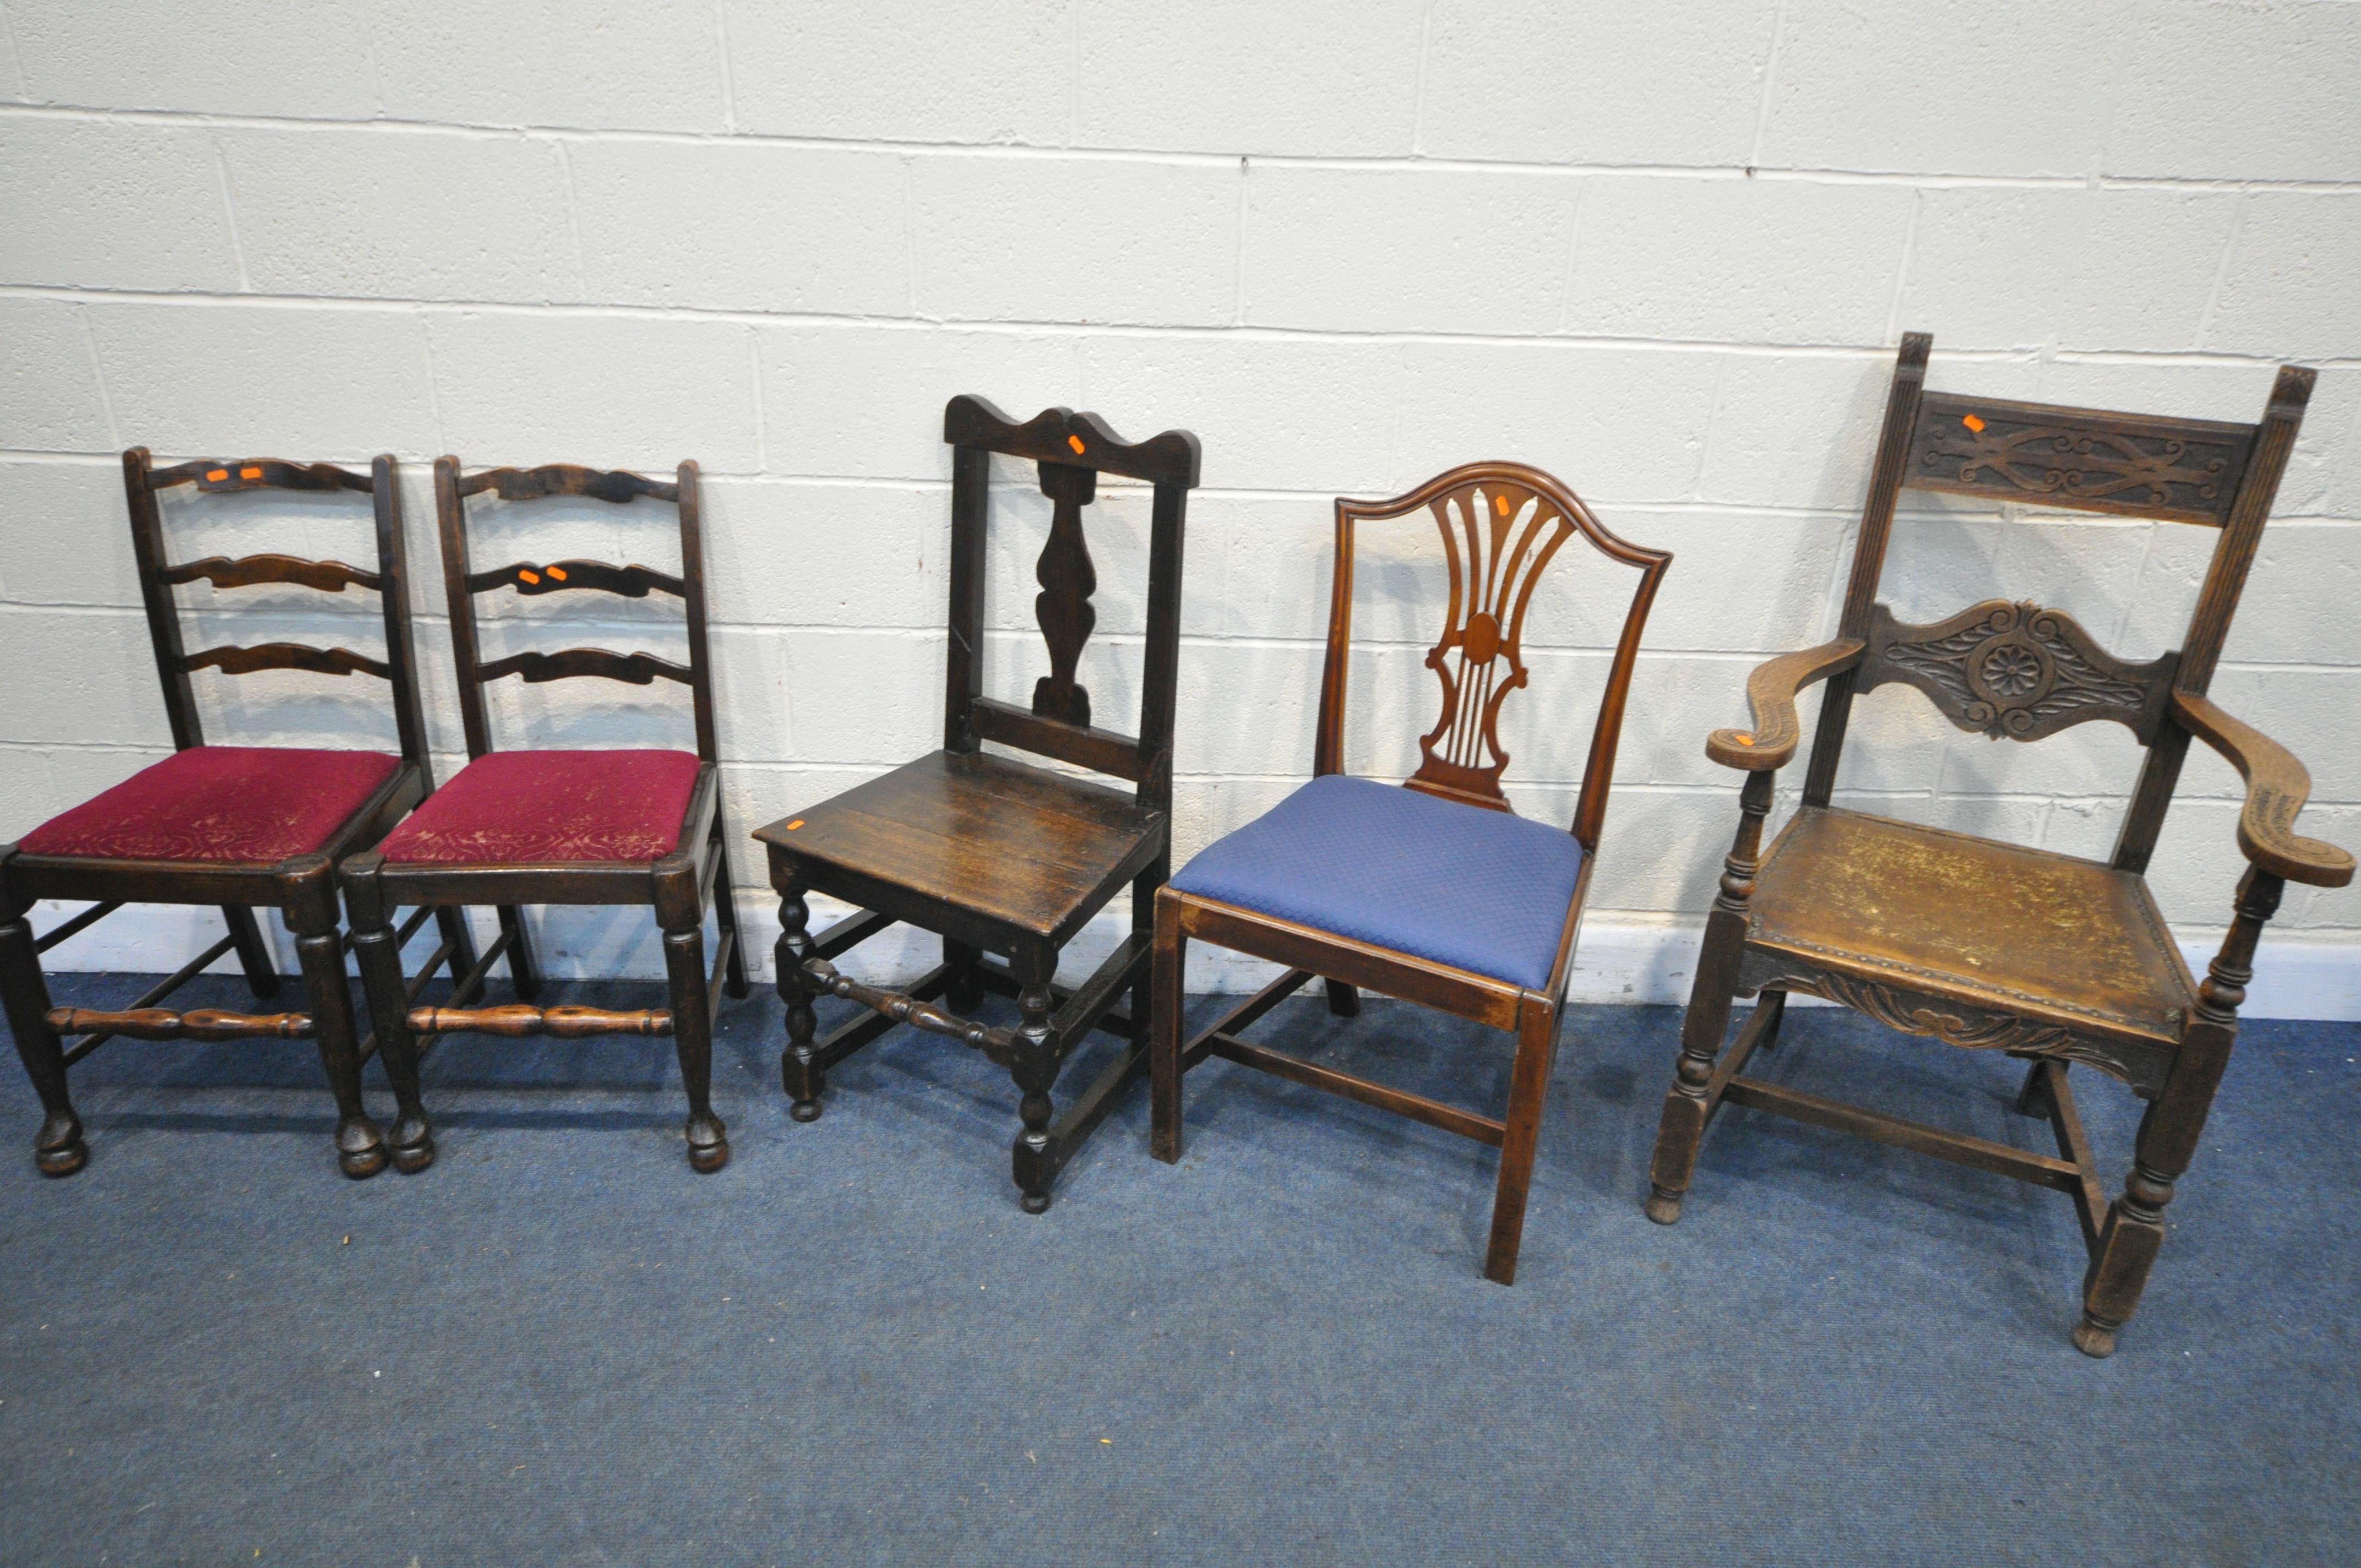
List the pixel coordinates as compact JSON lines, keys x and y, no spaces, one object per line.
{"x":1501,"y":524}
{"x":1076,"y":439}
{"x":212,"y":474}
{"x":617,"y":485}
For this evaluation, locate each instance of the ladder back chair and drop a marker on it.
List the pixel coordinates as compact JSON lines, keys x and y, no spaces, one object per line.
{"x":618,"y":827}
{"x":995,"y":855}
{"x":243,"y":828}
{"x":1436,"y":892}
{"x":2045,"y":957}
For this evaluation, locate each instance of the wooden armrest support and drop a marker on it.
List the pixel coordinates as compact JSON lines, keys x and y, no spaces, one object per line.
{"x":516,"y":1021}
{"x":197,"y":1023}
{"x":1000,"y":1045}
{"x":2277,"y":787}
{"x":1771,"y":693}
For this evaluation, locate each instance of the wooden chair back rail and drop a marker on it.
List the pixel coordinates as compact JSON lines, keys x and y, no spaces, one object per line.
{"x":2017,"y":671}
{"x":1070,"y":450}
{"x":2178,"y":470}
{"x":1501,"y":524}
{"x":530,"y":579}
{"x":462,"y":584}
{"x":158,"y":577}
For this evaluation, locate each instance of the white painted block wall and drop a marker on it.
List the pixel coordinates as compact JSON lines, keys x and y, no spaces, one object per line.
{"x":1664,"y":251}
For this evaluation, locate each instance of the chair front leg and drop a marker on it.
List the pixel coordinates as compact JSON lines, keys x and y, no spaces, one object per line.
{"x":799,"y":1070}
{"x":311,"y":913}
{"x":692,"y":1032}
{"x":1682,"y":1128}
{"x":1034,"y":1066}
{"x":57,"y":1147}
{"x":1528,"y":1098}
{"x":2134,"y":1231}
{"x":1164,"y":1066}
{"x":380,"y":958}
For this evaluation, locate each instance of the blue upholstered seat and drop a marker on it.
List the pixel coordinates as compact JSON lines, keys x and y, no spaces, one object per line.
{"x":1460,"y":885}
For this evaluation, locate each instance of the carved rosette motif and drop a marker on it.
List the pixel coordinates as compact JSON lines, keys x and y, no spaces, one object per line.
{"x":1501,"y":538}
{"x":2015,"y":670}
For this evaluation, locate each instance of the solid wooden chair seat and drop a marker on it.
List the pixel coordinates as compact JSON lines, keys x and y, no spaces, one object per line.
{"x":1021,"y":845}
{"x":1999,"y":927}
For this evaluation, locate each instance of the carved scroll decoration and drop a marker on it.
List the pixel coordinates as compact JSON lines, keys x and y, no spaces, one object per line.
{"x":1509,"y":533}
{"x":1068,"y":580}
{"x":2184,"y":470}
{"x":2017,"y":671}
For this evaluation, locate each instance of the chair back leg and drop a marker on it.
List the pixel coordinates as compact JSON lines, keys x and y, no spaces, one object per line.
{"x":523,"y":972}
{"x":253,"y":953}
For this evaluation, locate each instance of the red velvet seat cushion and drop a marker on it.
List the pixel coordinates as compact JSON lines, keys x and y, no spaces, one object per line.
{"x":516,"y":807}
{"x":243,"y":804}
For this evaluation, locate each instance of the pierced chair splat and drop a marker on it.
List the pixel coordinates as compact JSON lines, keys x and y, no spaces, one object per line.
{"x":240,"y":827}
{"x":1436,"y":892}
{"x":996,"y":855}
{"x":2049,"y":957}
{"x":620,"y":826}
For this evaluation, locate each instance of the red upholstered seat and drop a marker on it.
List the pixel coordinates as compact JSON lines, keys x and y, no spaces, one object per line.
{"x":242,"y":804}
{"x":521,"y":807}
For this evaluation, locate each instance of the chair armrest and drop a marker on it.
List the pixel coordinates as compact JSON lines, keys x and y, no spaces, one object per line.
{"x":2277,"y":787}
{"x":1771,"y":693}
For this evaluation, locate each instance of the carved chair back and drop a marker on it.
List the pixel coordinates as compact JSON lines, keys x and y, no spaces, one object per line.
{"x":1070,"y":450}
{"x":462,"y":582}
{"x":143,"y":481}
{"x":2017,"y":670}
{"x":1502,"y":523}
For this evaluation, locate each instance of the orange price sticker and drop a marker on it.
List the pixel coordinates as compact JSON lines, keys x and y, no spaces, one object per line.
{"x":795,"y":824}
{"x":558,"y":572}
{"x":1076,"y":442}
{"x":1500,"y":505}
{"x":1972,"y":422}
{"x":528,"y":577}
{"x":214,"y":476}
{"x":252,"y":471}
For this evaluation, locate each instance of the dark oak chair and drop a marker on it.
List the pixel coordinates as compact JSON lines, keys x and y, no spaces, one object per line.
{"x":2045,"y":957}
{"x":995,"y":855}
{"x":244,"y":828}
{"x":558,"y":826}
{"x":1436,"y":892}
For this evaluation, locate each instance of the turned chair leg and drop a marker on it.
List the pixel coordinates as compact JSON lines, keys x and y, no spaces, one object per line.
{"x":1528,"y":1099}
{"x":1682,"y":1128}
{"x":360,"y":1149}
{"x":799,"y":1068}
{"x":253,"y":953}
{"x":413,"y":1137}
{"x":2133,"y":1233}
{"x":57,"y":1147}
{"x":692,"y":1035}
{"x":1035,"y":1070}
{"x":1164,"y":1065}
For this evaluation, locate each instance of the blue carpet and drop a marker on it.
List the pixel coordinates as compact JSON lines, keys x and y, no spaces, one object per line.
{"x":561,"y":1346}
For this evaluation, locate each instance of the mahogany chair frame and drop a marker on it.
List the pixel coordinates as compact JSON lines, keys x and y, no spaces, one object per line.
{"x":680,"y":887}
{"x":1070,"y":450}
{"x":302,"y":887}
{"x":2021,"y":671}
{"x":1479,"y":661}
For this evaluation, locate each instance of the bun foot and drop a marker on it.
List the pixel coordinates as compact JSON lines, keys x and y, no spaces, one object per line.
{"x":709,"y":1145}
{"x":1663,"y":1207}
{"x":2094,"y":1339}
{"x":360,"y":1152}
{"x":414,"y":1146}
{"x":1034,"y":1202}
{"x":804,"y":1110}
{"x":58,"y":1150}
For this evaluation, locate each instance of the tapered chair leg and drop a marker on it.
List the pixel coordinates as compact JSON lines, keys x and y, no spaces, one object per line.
{"x":1035,"y":1070}
{"x":57,"y":1147}
{"x":799,"y":1071}
{"x":692,"y":1035}
{"x":253,"y":953}
{"x":1344,"y":1001}
{"x":1681,"y":1129}
{"x":1164,"y":1065}
{"x":1528,"y":1099}
{"x":360,"y":1148}
{"x":413,"y":1138}
{"x":525,"y":973}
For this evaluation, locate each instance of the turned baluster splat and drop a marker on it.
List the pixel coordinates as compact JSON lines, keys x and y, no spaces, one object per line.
{"x":1497,"y":538}
{"x":1063,"y":608}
